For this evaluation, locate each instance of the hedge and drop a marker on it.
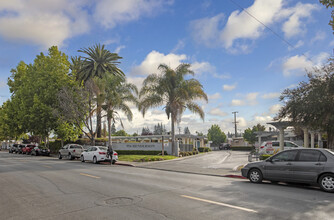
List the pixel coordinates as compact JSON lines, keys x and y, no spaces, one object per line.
{"x":204,"y":149}
{"x":242,"y":148}
{"x":187,"y":153}
{"x":140,"y":152}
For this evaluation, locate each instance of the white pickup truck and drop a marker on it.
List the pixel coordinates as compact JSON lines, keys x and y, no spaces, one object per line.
{"x":70,"y":151}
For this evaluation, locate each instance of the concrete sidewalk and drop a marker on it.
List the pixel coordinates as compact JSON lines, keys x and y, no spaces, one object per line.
{"x":216,"y":163}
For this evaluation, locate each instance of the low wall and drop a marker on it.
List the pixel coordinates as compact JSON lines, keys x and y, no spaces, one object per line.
{"x":143,"y":146}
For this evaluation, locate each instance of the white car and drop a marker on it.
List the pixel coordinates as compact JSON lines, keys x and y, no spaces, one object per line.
{"x":98,"y":154}
{"x":272,"y":147}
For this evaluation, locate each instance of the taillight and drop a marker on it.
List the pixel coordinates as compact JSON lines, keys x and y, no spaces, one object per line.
{"x":102,"y":153}
{"x":115,"y":154}
{"x":262,"y":147}
{"x":73,"y":150}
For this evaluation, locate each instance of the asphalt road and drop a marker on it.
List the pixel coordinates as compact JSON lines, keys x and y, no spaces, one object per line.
{"x":48,"y":188}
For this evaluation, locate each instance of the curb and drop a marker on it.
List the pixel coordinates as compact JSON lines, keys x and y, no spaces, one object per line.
{"x":125,"y":164}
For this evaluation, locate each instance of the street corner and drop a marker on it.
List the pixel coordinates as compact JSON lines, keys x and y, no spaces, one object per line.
{"x":239,"y":167}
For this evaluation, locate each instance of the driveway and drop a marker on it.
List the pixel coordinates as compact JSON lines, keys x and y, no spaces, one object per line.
{"x":216,"y":163}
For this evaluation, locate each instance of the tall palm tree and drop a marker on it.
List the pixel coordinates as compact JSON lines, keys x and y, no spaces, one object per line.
{"x":170,"y":88}
{"x":98,"y":63}
{"x":118,"y":96}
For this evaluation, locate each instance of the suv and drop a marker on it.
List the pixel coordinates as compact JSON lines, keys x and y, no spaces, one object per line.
{"x":272,"y":147}
{"x":71,"y":151}
{"x":13,"y":148}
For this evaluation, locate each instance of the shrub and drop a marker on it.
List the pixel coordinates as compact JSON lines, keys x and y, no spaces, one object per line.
{"x":204,"y":149}
{"x":55,"y":146}
{"x":264,"y":156}
{"x":140,"y":152}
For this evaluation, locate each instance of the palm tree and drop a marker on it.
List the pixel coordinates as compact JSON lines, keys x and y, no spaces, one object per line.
{"x":170,"y":88}
{"x":118,"y":96}
{"x":98,"y":63}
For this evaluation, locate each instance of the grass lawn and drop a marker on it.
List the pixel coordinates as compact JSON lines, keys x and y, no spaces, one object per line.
{"x":144,"y":158}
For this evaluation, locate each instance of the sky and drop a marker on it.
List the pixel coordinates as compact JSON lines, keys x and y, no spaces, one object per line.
{"x":244,"y":52}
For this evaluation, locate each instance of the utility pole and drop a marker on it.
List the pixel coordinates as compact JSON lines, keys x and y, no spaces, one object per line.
{"x":235,"y":123}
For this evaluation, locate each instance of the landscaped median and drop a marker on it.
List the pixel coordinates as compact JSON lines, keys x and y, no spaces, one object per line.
{"x":144,"y":158}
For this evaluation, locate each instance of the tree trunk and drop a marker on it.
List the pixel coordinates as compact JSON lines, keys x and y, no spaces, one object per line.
{"x":98,"y":121}
{"x":62,"y":143}
{"x":175,"y":151}
{"x":330,"y":139}
{"x":109,"y":132}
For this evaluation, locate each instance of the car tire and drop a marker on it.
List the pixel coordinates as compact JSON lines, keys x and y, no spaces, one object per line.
{"x":255,"y":176}
{"x":95,"y":160}
{"x":59,"y":156}
{"x":82,"y":158}
{"x":70,"y":156}
{"x":113,"y":161}
{"x":326,"y":182}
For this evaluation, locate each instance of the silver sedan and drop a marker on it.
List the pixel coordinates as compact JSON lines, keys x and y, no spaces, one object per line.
{"x":312,"y":166}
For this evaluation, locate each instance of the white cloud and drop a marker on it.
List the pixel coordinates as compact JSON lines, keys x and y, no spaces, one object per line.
{"x":237,"y":102}
{"x":217,"y":112}
{"x":293,"y":26}
{"x":274,"y":95}
{"x":119,"y":48}
{"x":206,"y":30}
{"x":154,"y":59}
{"x":180,"y":45}
{"x":244,"y":27}
{"x":202,"y":67}
{"x":274,"y":109}
{"x":229,"y":87}
{"x":240,"y":25}
{"x":214,"y":96}
{"x":43,"y":23}
{"x":296,"y":65}
{"x":331,"y":43}
{"x":319,"y":36}
{"x":298,"y":44}
{"x":113,"y":12}
{"x":251,"y":98}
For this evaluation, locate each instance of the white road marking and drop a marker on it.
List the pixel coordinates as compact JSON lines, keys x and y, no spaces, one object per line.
{"x":220,"y":203}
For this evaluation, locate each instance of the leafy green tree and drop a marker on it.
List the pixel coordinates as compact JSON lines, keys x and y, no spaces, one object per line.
{"x":121,"y":133}
{"x":35,"y":86}
{"x":250,"y":135}
{"x":171,"y":89}
{"x":118,"y":95}
{"x":98,"y":62}
{"x":311,"y":103}
{"x":216,"y":135}
{"x":329,"y":4}
{"x":67,"y":131}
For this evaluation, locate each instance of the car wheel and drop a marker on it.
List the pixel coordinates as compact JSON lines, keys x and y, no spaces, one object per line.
{"x":70,"y":156}
{"x":326,"y":182}
{"x":82,"y":158}
{"x":255,"y":176}
{"x":95,"y":160}
{"x":113,"y":161}
{"x":59,"y":156}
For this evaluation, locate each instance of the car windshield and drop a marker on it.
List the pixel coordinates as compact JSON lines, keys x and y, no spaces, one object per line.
{"x":103,"y":148}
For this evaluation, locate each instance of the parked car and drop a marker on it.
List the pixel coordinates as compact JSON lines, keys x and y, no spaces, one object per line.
{"x":70,"y":151}
{"x":27,"y":149}
{"x":40,"y":150}
{"x":312,"y":166}
{"x":225,"y":146}
{"x":272,"y":147}
{"x":98,"y":154}
{"x":20,"y":148}
{"x":13,"y":148}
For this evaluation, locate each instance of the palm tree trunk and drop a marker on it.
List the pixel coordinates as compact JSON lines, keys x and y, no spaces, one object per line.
{"x":98,"y":120}
{"x":174,"y":150}
{"x":109,"y":132}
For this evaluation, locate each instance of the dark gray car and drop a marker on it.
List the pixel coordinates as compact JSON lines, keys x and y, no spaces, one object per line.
{"x":312,"y":166}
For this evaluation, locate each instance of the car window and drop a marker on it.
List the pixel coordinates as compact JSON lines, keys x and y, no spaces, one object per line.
{"x":285,"y":156}
{"x":275,"y":144}
{"x":310,"y":156}
{"x":322,"y":158}
{"x":103,"y":148}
